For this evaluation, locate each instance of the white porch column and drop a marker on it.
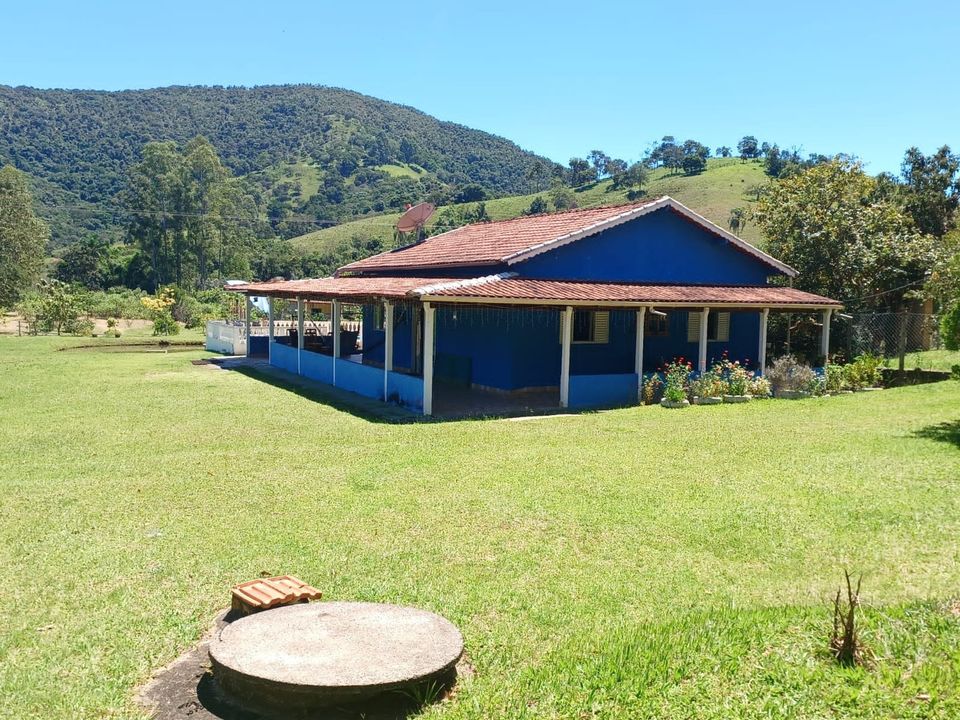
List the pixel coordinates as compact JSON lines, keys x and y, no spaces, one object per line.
{"x":566,"y":334}
{"x":300,"y":313}
{"x":702,"y":360}
{"x":269,"y":329}
{"x":246,"y":323}
{"x":762,"y":349}
{"x":428,"y":347}
{"x":638,"y":352}
{"x":387,"y":346}
{"x":335,"y":330}
{"x":825,"y":336}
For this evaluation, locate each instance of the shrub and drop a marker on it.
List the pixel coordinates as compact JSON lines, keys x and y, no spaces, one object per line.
{"x":759,"y":387}
{"x":835,"y":378}
{"x":164,"y":324}
{"x":709,"y":384}
{"x":160,"y":310}
{"x":678,"y":375}
{"x":788,"y":374}
{"x":652,"y":389}
{"x":864,"y":371}
{"x":950,"y":327}
{"x":83,"y":327}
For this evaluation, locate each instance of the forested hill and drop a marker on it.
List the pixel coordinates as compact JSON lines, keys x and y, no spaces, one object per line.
{"x":318,"y":143}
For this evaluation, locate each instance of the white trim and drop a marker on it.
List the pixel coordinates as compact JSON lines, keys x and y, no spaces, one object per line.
{"x":246,"y":323}
{"x":566,"y":334}
{"x":300,"y":311}
{"x":387,"y":346}
{"x":269,"y":331}
{"x":762,"y":350}
{"x":665,"y":201}
{"x":481,"y":300}
{"x":459,"y":284}
{"x":638,"y":351}
{"x":429,"y":344}
{"x":702,"y":345}
{"x":825,"y":336}
{"x":335,"y":330}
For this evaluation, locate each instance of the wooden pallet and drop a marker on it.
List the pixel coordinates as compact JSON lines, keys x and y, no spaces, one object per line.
{"x":265,"y":593}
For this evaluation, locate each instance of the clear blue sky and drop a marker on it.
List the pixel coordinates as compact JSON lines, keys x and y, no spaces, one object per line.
{"x":558,"y":78}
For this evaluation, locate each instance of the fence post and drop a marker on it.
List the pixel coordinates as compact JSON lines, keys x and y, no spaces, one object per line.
{"x":902,"y":340}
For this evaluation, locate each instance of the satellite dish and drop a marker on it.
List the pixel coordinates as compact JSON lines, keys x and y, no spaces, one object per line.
{"x":415,"y":218}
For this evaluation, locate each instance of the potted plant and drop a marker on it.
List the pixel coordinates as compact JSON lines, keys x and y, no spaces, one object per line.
{"x":759,"y":388}
{"x":709,"y":388}
{"x":835,"y":380}
{"x":738,"y":382}
{"x":677,"y":374}
{"x":790,"y":379}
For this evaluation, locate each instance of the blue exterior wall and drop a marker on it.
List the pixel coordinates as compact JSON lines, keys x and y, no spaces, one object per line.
{"x":602,"y":390}
{"x":661,"y":247}
{"x":362,"y":379}
{"x":406,"y":390}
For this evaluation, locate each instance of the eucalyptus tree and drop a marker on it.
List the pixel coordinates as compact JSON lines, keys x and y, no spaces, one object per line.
{"x":23,"y":237}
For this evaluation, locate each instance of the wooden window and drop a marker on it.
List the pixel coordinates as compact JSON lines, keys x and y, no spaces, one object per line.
{"x":589,"y":326}
{"x":655,"y":325}
{"x":718,"y":326}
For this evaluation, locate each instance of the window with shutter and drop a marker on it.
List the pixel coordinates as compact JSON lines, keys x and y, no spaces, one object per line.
{"x":589,"y":326}
{"x":718,"y":327}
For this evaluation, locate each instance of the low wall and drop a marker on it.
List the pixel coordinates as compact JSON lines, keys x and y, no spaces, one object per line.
{"x":361,"y":379}
{"x":226,"y":338}
{"x":602,"y":390}
{"x":317,"y":366}
{"x":283,"y":357}
{"x":405,"y":390}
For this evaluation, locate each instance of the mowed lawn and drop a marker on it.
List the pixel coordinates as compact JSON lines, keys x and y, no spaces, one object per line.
{"x":631,"y":563}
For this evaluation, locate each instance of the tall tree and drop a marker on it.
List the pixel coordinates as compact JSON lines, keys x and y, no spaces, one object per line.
{"x":203,"y":175}
{"x":154,"y":194}
{"x":581,"y":172}
{"x":748,"y":147}
{"x":23,"y":237}
{"x":599,"y":159}
{"x":931,"y":186}
{"x":846,"y":242}
{"x":85,"y":262}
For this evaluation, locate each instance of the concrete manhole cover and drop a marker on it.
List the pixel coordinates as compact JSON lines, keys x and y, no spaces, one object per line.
{"x":320,"y":654}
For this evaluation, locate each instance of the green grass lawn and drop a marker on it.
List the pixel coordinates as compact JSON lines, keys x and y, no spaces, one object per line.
{"x":712,"y":194}
{"x":928,"y":360}
{"x":633,"y":563}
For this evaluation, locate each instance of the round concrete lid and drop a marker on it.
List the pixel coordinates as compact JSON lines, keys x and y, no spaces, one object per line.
{"x":331,"y":651}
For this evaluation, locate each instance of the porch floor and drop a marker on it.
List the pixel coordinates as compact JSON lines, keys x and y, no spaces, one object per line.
{"x":451,"y":400}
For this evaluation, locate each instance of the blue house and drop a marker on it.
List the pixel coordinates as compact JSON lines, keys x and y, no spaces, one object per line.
{"x":567,"y":309}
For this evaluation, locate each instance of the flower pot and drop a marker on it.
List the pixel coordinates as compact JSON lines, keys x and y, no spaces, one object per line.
{"x":793,"y":394}
{"x":707,"y":400}
{"x":674,"y":403}
{"x":737,"y":398}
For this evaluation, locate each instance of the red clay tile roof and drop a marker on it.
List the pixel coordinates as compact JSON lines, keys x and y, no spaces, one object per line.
{"x":507,"y":287}
{"x":510,"y":241}
{"x":344,"y":288}
{"x":490,"y":243}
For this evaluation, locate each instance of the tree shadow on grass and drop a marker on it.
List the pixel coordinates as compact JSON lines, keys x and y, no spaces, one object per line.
{"x":947,"y":431}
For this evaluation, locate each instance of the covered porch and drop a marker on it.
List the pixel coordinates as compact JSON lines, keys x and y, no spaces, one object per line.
{"x":454,"y":348}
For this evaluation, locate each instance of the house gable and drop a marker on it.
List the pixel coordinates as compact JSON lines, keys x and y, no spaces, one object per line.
{"x":662,"y":246}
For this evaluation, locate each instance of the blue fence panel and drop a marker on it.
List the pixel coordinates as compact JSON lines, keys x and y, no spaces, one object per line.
{"x":603,"y":390}
{"x":283,"y":357}
{"x":317,"y":367}
{"x":406,"y":390}
{"x":361,"y":379}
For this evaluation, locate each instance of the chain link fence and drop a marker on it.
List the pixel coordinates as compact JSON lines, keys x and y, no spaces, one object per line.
{"x":893,"y":335}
